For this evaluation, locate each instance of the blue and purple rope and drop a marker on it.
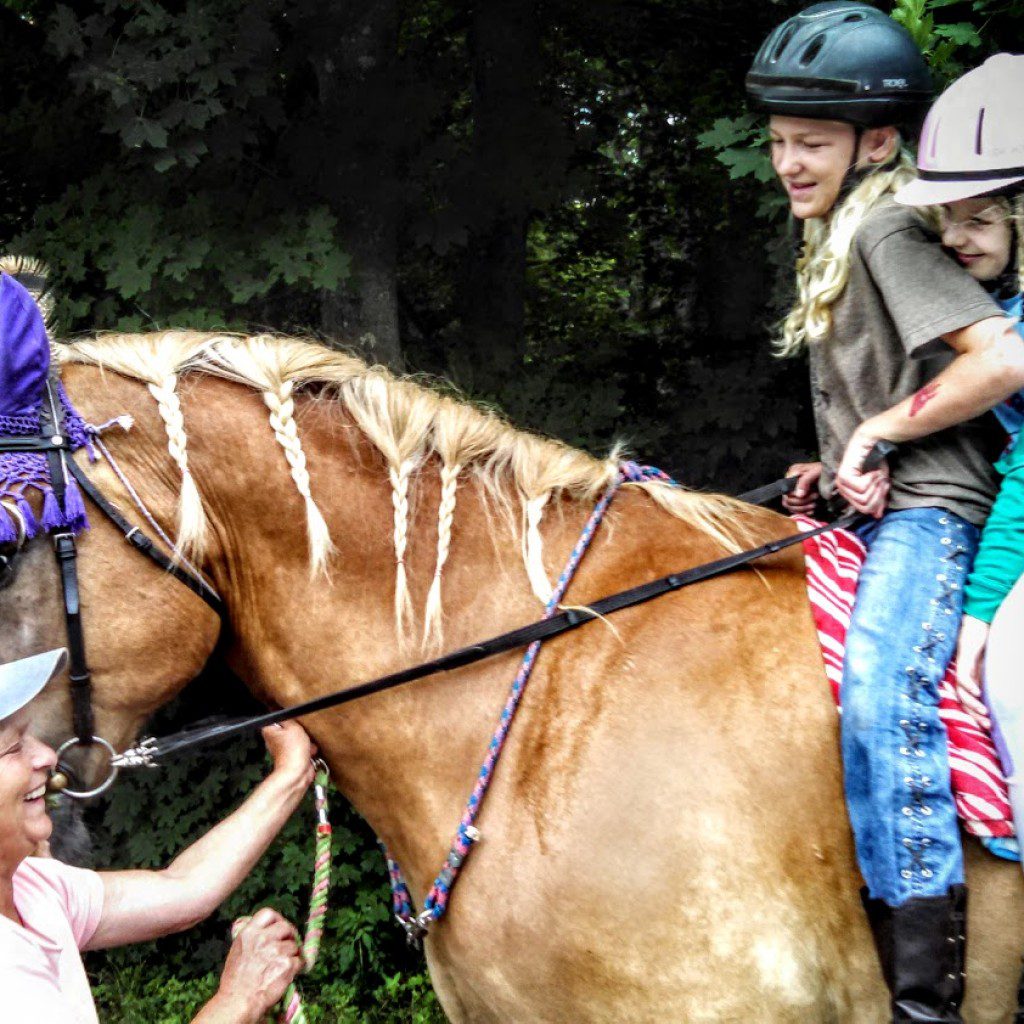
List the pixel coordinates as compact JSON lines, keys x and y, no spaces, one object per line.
{"x":436,"y":902}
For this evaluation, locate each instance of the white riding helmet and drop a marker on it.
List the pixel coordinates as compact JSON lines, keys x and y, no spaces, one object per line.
{"x":973,"y":138}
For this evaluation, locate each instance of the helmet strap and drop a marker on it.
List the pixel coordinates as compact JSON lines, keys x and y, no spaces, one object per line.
{"x":854,"y":175}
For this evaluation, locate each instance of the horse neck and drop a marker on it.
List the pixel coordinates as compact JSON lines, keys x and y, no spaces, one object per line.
{"x":406,"y":759}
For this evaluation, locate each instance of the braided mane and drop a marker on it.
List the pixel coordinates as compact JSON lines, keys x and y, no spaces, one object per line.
{"x":412,"y":425}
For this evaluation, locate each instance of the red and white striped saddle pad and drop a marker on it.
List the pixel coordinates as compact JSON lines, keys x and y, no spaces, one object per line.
{"x":979,"y":786}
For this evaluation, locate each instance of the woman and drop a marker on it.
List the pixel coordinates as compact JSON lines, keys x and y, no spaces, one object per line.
{"x":903,"y":346}
{"x":50,"y":911}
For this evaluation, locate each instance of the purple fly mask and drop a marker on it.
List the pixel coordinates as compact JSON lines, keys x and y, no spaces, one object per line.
{"x":24,"y":370}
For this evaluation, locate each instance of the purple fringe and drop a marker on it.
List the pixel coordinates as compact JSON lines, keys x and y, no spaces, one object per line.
{"x":8,"y":529}
{"x":21,"y":471}
{"x":53,"y":517}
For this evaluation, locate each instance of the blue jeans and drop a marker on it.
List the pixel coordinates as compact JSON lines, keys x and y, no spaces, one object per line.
{"x":902,"y":635}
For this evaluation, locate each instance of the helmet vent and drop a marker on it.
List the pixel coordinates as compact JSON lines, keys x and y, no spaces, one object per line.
{"x":978,"y":133}
{"x":783,"y":42}
{"x":860,"y":16}
{"x":813,"y":49}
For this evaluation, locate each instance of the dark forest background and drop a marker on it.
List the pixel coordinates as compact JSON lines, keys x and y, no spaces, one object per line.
{"x":562,"y":207}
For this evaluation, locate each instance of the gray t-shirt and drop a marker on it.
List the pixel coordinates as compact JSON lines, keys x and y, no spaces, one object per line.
{"x":904,"y":292}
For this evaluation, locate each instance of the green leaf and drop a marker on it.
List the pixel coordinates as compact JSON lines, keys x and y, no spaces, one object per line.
{"x":962,"y":34}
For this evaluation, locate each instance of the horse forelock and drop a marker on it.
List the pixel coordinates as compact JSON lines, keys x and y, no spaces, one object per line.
{"x":412,"y":425}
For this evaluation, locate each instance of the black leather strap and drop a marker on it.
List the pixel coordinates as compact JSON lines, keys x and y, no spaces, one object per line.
{"x":144,"y":544}
{"x":66,"y":552}
{"x":776,"y":489}
{"x":32,"y":444}
{"x":154,"y":751}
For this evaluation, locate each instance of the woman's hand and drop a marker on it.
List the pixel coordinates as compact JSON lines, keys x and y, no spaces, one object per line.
{"x":867,"y":492}
{"x":291,"y":750}
{"x":804,"y":496}
{"x":263,"y":960}
{"x":970,"y":659}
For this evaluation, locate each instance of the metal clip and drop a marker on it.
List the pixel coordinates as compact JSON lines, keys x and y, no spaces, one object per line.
{"x":140,"y":756}
{"x":416,"y":928}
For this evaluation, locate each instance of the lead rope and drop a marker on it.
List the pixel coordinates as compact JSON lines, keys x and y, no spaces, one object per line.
{"x":291,"y":1008}
{"x":467,"y":835}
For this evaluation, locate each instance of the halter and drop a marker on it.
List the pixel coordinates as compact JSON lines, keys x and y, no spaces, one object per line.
{"x":53,"y":442}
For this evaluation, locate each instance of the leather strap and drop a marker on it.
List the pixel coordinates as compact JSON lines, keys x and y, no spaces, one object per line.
{"x":152,"y":751}
{"x":66,"y":552}
{"x":143,"y":543}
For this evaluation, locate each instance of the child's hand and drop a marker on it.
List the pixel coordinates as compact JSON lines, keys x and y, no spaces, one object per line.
{"x":865,"y":491}
{"x":970,"y":657}
{"x":802,"y":499}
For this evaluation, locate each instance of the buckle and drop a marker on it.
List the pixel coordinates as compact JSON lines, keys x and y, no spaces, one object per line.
{"x":64,"y":544}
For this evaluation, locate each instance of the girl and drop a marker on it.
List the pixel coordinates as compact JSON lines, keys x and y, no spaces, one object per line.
{"x":972,"y":168}
{"x":903,"y":346}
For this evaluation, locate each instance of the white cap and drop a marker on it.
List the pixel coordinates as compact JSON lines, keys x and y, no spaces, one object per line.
{"x":21,"y":680}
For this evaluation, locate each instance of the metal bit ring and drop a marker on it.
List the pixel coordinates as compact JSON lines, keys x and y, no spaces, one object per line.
{"x":85,"y":794}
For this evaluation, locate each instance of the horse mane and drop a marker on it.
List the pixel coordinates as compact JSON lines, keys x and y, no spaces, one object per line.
{"x":412,"y":424}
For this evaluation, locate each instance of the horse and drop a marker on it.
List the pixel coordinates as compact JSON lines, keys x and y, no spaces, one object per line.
{"x":665,"y":837}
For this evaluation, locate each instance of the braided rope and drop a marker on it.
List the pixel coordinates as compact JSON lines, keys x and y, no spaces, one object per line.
{"x":282,"y":419}
{"x":445,"y":517}
{"x":191,"y":520}
{"x":291,"y":1009}
{"x":467,"y":834}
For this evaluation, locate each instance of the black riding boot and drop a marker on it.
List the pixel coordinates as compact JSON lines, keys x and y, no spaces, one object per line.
{"x":921,"y":946}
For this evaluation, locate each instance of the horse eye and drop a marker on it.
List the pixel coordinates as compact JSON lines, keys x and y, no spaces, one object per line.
{"x":8,"y":567}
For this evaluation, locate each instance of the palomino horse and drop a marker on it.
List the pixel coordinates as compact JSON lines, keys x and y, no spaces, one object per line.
{"x":665,"y":839}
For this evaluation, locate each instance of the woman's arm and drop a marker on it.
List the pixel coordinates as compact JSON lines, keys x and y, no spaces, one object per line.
{"x":141,"y":905}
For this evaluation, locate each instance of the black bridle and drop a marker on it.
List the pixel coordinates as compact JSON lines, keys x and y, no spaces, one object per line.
{"x":54,"y":442}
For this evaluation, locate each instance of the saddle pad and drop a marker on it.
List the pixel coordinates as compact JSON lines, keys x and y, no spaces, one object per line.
{"x":833,"y":562}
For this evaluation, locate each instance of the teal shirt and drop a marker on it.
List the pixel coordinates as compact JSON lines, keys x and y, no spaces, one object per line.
{"x":1000,"y":559}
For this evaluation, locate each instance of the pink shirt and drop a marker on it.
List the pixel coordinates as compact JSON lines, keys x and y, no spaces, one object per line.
{"x":41,"y":972}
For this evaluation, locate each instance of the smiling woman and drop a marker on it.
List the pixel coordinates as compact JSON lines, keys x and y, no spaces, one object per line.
{"x":50,"y":911}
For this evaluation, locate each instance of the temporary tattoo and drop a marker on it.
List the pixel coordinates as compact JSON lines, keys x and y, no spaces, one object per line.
{"x":923,"y":397}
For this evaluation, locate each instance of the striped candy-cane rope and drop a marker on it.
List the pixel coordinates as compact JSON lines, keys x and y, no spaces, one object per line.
{"x":467,"y":834}
{"x":291,"y":1009}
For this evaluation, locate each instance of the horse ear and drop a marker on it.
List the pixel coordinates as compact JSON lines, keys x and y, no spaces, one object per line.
{"x":34,"y":276}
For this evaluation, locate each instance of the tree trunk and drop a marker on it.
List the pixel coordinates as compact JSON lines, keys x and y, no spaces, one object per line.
{"x":359,"y":93}
{"x":505,"y":46}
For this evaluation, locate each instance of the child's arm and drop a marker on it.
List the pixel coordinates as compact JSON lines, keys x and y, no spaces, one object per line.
{"x":989,"y":367}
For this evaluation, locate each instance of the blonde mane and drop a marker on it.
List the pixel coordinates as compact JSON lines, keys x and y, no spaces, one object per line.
{"x":410,"y":425}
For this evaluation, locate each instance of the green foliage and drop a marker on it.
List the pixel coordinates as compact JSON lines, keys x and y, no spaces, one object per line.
{"x":941,"y":42}
{"x":739,"y":142}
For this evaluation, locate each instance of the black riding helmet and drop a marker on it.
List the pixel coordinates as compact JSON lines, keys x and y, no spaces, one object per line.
{"x":842,"y":61}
